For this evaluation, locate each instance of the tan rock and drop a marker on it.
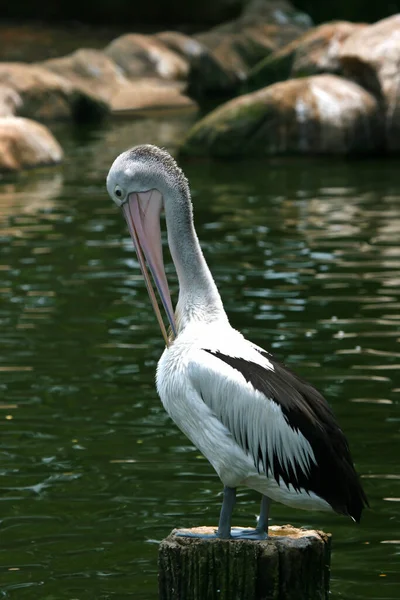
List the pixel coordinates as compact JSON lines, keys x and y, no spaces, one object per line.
{"x":182,"y":44}
{"x":47,"y":96}
{"x":25,"y":144}
{"x":89,"y":70}
{"x":92,"y":71}
{"x":140,"y":55}
{"x":148,"y":95}
{"x":371,"y":57}
{"x":314,"y":52}
{"x":323,"y":114}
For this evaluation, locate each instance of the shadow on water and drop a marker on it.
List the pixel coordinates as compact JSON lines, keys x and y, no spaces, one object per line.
{"x":92,"y":473}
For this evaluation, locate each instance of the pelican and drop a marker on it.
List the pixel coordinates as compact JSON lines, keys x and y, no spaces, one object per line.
{"x":259,"y":424}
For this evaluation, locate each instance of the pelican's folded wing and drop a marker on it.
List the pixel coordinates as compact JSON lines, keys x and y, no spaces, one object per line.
{"x":283,"y":422}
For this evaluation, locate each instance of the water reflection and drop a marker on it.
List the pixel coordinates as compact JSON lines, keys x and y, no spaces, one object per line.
{"x":306,"y":257}
{"x":96,"y":149}
{"x":29,"y":194}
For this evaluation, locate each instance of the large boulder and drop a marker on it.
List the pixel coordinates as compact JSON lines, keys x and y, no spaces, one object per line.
{"x":316,"y":51}
{"x":140,"y":55}
{"x":46,"y":96}
{"x":92,"y":71}
{"x":25,"y":144}
{"x":371,"y":57}
{"x":323,"y":114}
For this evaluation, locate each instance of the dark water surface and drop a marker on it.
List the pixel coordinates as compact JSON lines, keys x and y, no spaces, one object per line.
{"x":92,"y":472}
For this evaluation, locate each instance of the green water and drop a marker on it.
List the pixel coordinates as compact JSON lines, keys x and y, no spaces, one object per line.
{"x":92,"y":472}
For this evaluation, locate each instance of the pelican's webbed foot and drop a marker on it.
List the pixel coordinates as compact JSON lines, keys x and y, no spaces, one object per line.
{"x":224,"y":526}
{"x":248,"y":534}
{"x":224,"y":531}
{"x":261,"y":531}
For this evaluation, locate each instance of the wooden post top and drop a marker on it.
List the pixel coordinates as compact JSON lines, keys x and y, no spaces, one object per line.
{"x":274,"y":532}
{"x":291,"y":564}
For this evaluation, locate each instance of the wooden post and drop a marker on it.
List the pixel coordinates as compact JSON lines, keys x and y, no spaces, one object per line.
{"x":292,"y":564}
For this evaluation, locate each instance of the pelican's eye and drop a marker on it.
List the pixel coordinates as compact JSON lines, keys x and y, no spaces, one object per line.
{"x":119,"y":192}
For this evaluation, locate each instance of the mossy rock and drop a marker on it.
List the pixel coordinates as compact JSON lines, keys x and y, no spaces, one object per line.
{"x":315,"y":52}
{"x":324,"y":114}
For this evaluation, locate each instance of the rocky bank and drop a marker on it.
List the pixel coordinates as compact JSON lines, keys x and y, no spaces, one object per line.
{"x":333,"y":90}
{"x":297,"y":89}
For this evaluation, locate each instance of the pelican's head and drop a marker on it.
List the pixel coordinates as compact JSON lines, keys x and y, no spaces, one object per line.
{"x":144,"y":168}
{"x":138,"y":182}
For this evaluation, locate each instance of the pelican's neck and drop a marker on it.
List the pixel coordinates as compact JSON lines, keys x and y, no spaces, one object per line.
{"x":199,"y":299}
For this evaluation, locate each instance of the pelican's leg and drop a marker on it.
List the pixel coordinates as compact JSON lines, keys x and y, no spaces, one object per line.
{"x":261,"y":531}
{"x":225,"y":519}
{"x":262,"y":523}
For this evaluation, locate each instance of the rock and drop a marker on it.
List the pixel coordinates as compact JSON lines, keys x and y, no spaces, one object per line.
{"x":47,"y":96}
{"x":149,"y":95}
{"x":10,"y":101}
{"x":228,"y":68}
{"x":89,"y":70}
{"x":92,"y":71}
{"x":220,"y":59}
{"x":239,"y":45}
{"x":314,"y":52}
{"x":371,"y":57}
{"x":206,"y":72}
{"x":182,"y":44}
{"x":323,"y":114}
{"x":25,"y":144}
{"x":140,"y":55}
{"x":236,"y":52}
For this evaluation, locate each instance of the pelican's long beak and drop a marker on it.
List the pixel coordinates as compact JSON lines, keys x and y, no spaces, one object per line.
{"x":142,"y":213}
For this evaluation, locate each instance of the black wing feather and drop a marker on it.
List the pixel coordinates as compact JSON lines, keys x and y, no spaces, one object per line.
{"x":333,"y":477}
